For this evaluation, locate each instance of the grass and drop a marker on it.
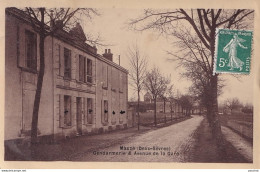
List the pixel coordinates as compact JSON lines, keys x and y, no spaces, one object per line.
{"x":206,"y":149}
{"x":241,"y":118}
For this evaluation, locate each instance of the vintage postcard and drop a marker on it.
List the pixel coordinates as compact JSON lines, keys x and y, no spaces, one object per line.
{"x":134,"y":84}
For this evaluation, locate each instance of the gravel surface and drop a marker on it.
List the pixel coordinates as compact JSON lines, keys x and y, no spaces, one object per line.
{"x":168,"y":144}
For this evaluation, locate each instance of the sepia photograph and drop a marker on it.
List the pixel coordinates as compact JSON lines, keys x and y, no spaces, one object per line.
{"x":129,"y":84}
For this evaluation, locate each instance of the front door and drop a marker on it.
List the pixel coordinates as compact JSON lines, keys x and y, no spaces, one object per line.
{"x":79,"y":115}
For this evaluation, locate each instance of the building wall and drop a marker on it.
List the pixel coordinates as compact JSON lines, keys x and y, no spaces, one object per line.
{"x":21,"y":84}
{"x":71,"y":87}
{"x":109,"y":84}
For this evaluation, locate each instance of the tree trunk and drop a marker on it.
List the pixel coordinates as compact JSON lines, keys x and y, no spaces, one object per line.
{"x":164,"y":104}
{"x":37,"y":98}
{"x":215,"y":122}
{"x":171,"y":111}
{"x":214,"y":106}
{"x":138,"y":107}
{"x":154,"y":104}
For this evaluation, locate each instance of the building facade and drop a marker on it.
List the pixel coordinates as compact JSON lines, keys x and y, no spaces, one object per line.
{"x":164,"y":106}
{"x":83,"y":92}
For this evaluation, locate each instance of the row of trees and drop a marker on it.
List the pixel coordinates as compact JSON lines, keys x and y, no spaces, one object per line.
{"x":193,"y":32}
{"x":152,"y":81}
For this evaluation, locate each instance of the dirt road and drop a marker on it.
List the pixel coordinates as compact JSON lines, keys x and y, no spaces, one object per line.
{"x":169,"y":144}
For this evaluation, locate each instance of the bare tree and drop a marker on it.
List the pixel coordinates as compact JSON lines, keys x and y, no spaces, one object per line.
{"x":165,"y":97}
{"x":248,"y":108}
{"x":200,"y":87}
{"x":137,"y":72}
{"x":202,"y":24}
{"x":170,"y":97}
{"x":156,"y":84}
{"x":186,"y":104}
{"x":232,"y":104}
{"x":47,"y":22}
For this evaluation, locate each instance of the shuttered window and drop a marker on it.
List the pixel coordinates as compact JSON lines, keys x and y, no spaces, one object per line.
{"x":105,"y":113}
{"x":90,"y":111}
{"x":89,"y":71}
{"x":67,"y":63}
{"x":105,"y":75}
{"x":67,"y":110}
{"x":82,"y":68}
{"x":31,"y":50}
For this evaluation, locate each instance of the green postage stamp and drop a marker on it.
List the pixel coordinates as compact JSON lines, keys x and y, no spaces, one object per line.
{"x":233,"y":51}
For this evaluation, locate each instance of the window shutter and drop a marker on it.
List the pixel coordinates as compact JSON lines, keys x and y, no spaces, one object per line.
{"x":61,"y":107}
{"x":58,"y":59}
{"x":83,"y":110}
{"x":113,"y":118}
{"x":61,"y":60}
{"x":69,"y":64}
{"x":105,"y":73}
{"x":93,"y":72}
{"x":77,"y":67}
{"x":86,"y":110}
{"x":73,"y":110}
{"x":90,"y":107}
{"x":56,"y":64}
{"x":102,"y":111}
{"x":92,"y":113}
{"x":89,"y":71}
{"x":113,"y":78}
{"x":86,"y":69}
{"x":20,"y":57}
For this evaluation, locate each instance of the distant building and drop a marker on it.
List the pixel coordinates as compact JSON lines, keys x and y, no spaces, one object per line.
{"x":147,"y":97}
{"x":83,"y":92}
{"x":162,"y":105}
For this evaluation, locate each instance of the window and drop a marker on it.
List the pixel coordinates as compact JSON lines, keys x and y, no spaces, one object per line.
{"x":121,"y":82}
{"x":89,"y":70}
{"x":82,"y":68}
{"x":89,"y":110}
{"x":30,"y":50}
{"x":115,"y":79}
{"x":67,"y":110}
{"x":105,"y":75}
{"x":67,"y":63}
{"x":105,"y":111}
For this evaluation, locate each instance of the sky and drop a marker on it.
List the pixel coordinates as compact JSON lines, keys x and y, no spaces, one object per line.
{"x":112,"y":26}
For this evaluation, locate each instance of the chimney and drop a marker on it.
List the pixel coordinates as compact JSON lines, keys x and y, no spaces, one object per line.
{"x":108,"y":55}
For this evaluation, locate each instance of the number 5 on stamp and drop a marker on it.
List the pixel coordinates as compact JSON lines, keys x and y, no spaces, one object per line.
{"x":233,"y":51}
